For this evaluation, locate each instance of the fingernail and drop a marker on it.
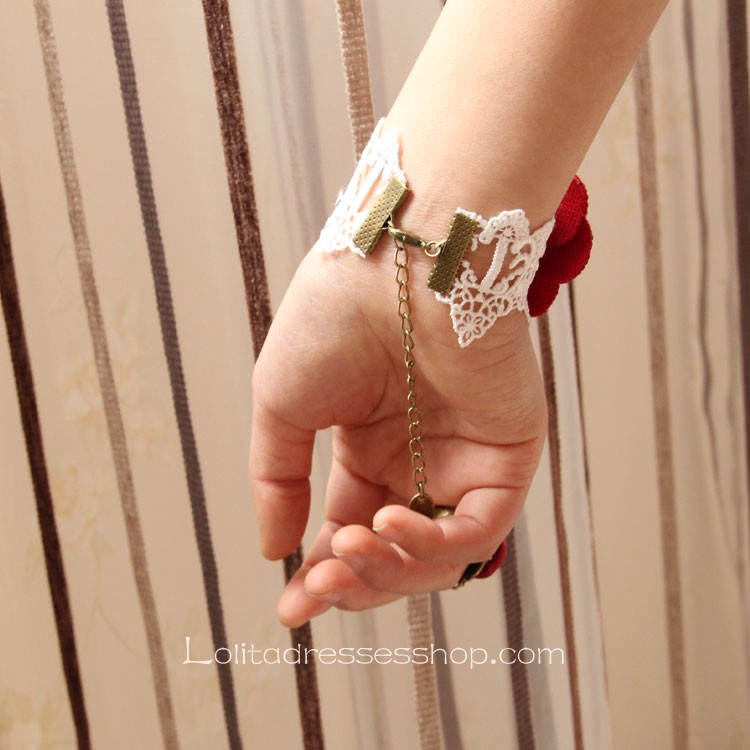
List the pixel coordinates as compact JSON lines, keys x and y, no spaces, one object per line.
{"x":389,"y":533}
{"x":354,"y":561}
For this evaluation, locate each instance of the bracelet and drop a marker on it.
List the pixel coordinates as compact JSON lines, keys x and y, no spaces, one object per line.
{"x":521,"y":276}
{"x":527,"y":267}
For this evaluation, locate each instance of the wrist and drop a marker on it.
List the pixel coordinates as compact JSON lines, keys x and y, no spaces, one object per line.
{"x":447,"y":172}
{"x":482,"y":267}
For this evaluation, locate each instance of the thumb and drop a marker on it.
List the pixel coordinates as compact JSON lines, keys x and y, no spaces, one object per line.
{"x":280,"y":463}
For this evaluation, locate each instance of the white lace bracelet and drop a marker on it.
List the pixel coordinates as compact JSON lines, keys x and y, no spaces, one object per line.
{"x":475,"y":304}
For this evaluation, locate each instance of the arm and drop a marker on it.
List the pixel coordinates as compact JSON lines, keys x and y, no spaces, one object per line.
{"x":513,"y":92}
{"x":496,"y":114}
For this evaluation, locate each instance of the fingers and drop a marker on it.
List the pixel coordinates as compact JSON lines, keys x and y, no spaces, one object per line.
{"x":374,"y":575}
{"x":330,"y":583}
{"x":406,"y":552}
{"x":280,"y":462}
{"x":353,"y":567}
{"x":384,"y":567}
{"x":296,"y":606}
{"x":483,"y":518}
{"x":322,"y":582}
{"x":350,"y":499}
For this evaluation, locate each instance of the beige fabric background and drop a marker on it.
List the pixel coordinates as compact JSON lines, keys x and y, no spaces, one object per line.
{"x":296,"y":112}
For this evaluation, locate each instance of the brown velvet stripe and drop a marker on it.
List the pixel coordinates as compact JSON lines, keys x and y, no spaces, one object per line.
{"x":308,"y":699}
{"x":660,"y":385}
{"x":548,"y":369}
{"x":170,"y":340}
{"x":514,"y":627}
{"x":289,"y":52}
{"x":702,"y":216}
{"x":739,"y":88}
{"x":446,"y":689}
{"x":356,"y":71}
{"x":32,"y":431}
{"x":585,"y":457}
{"x":239,"y":170}
{"x":242,"y":195}
{"x":579,"y":388}
{"x":429,"y":724}
{"x":105,"y":375}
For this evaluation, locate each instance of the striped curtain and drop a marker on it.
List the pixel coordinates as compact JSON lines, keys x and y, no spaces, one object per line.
{"x":163,"y":169}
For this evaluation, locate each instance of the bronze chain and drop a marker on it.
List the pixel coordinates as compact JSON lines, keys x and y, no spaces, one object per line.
{"x":421,"y":501}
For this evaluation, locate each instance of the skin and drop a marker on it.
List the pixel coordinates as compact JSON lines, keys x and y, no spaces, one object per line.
{"x":539,"y":79}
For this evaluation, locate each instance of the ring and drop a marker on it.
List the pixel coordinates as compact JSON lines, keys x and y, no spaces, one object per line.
{"x":482,"y":569}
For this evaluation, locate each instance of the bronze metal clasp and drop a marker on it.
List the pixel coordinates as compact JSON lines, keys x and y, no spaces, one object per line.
{"x":452,"y":253}
{"x":379,"y":216}
{"x":401,"y":235}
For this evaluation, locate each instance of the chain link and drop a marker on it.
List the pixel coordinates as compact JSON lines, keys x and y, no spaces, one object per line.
{"x":421,"y":501}
{"x":416,"y":447}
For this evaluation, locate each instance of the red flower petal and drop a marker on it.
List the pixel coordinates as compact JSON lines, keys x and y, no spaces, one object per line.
{"x":541,"y":296}
{"x":563,"y":263}
{"x":570,"y":213}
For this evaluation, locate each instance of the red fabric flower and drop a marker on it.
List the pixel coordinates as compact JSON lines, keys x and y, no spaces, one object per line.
{"x":541,"y":296}
{"x":570,"y":213}
{"x":562,"y":263}
{"x":568,"y":249}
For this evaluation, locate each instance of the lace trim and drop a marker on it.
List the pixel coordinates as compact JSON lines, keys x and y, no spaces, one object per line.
{"x":475,"y":304}
{"x":378,"y":163}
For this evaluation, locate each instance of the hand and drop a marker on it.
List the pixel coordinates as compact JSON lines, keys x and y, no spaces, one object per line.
{"x":333,"y":357}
